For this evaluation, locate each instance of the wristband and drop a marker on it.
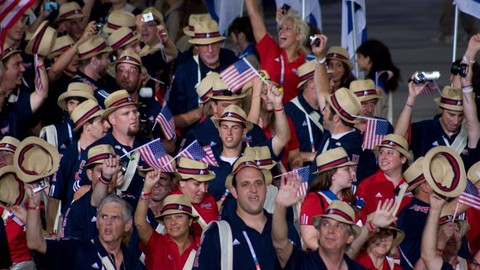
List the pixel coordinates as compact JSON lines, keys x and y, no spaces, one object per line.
{"x":33,"y":208}
{"x":466,"y":60}
{"x":278,"y":110}
{"x":103,"y":180}
{"x":321,"y":61}
{"x":370,"y":227}
{"x":41,"y":66}
{"x":467,"y":89}
{"x":439,"y":250}
{"x":145,"y":196}
{"x":409,"y":105}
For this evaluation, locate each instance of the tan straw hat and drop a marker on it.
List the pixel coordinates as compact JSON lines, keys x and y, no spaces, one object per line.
{"x":341,"y":212}
{"x":35,"y":159}
{"x":94,"y":45}
{"x":414,"y":174}
{"x":364,"y":90}
{"x":128,"y":57}
{"x":85,"y":111}
{"x":206,"y":32}
{"x":446,"y":217}
{"x":221,"y":91}
{"x":62,"y":44}
{"x":189,"y":30}
{"x":192,"y":169}
{"x":340,"y":54}
{"x":332,"y":159}
{"x":395,"y":142}
{"x":450,"y":99}
{"x":474,"y":173}
{"x":176,"y":204}
{"x":7,"y":52}
{"x":345,"y":104}
{"x":248,"y":160}
{"x":69,"y":11}
{"x":99,"y":153}
{"x":205,"y":88}
{"x":116,"y":100}
{"x":42,"y":40}
{"x":122,"y":37}
{"x":306,"y":72}
{"x":117,"y":19}
{"x":261,"y":156}
{"x":233,"y":113}
{"x":444,"y":171}
{"x":12,"y":190}
{"x":9,"y":144}
{"x":75,"y":89}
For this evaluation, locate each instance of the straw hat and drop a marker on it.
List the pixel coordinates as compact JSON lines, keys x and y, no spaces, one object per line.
{"x":473,"y":173}
{"x":205,"y":87}
{"x":306,"y":72}
{"x":332,"y":159}
{"x":395,"y":142}
{"x":157,"y":15}
{"x":398,"y":235}
{"x":85,"y":111}
{"x":143,"y":171}
{"x":192,"y":169}
{"x":99,"y":153}
{"x":75,"y":89}
{"x":117,"y":19}
{"x":116,"y":100}
{"x":364,"y":90}
{"x":341,"y":212}
{"x":62,"y":44}
{"x":42,"y":40}
{"x":35,"y":159}
{"x":122,"y":37}
{"x":176,"y":204}
{"x":446,"y":217}
{"x":345,"y":104}
{"x":7,"y":52}
{"x":248,"y":160}
{"x":414,"y":174}
{"x":189,"y":30}
{"x":221,"y":91}
{"x":233,"y":113}
{"x":444,"y":171}
{"x":128,"y":57}
{"x":450,"y":99}
{"x":12,"y":190}
{"x":206,"y":32}
{"x":9,"y":144}
{"x":261,"y":156}
{"x":69,"y":11}
{"x":340,"y":54}
{"x":94,"y":45}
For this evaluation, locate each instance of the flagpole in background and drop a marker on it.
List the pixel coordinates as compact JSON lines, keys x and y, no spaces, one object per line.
{"x":303,"y":10}
{"x":455,"y":34}
{"x":354,"y":30}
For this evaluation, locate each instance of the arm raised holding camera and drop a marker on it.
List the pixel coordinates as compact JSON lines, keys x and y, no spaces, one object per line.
{"x":403,"y":120}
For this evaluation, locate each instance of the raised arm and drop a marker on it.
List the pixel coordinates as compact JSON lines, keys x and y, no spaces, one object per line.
{"x":286,"y":197}
{"x":282,"y":129}
{"x":258,"y":26}
{"x":170,"y":48}
{"x":35,"y":239}
{"x":429,"y":255}
{"x":403,"y":121}
{"x":254,"y":113}
{"x":41,"y":89}
{"x":320,"y":79}
{"x":110,"y":168}
{"x":144,"y":229}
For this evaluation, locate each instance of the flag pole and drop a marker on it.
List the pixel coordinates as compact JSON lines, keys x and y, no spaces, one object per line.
{"x":354,"y":32}
{"x":455,"y":34}
{"x":303,"y":10}
{"x":126,"y":154}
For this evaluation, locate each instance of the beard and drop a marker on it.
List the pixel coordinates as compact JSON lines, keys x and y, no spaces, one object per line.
{"x":133,"y":131}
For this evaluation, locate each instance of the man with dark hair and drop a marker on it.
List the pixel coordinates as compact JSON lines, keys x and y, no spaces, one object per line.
{"x":240,"y":30}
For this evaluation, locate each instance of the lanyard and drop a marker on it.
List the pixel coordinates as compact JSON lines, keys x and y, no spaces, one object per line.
{"x":79,"y":151}
{"x":69,"y":132}
{"x":254,"y":256}
{"x":282,"y":71}
{"x":310,"y":133}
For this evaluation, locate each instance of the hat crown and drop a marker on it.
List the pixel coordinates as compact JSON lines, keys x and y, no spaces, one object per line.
{"x":306,"y":68}
{"x":451,"y":93}
{"x":364,"y":90}
{"x":12,"y":191}
{"x":261,"y":156}
{"x":396,"y":142}
{"x":117,"y":96}
{"x":35,"y":159}
{"x":332,"y":159}
{"x":234,"y":113}
{"x":84,"y":111}
{"x":61,"y":44}
{"x":81,"y":87}
{"x":121,"y":37}
{"x":192,"y":169}
{"x":474,"y":173}
{"x":342,"y":210}
{"x":121,"y":18}
{"x":336,"y":52}
{"x":346,"y":104}
{"x":129,"y":57}
{"x":206,"y":27}
{"x":69,"y":10}
{"x":92,"y":46}
{"x":9,"y":143}
{"x":157,"y":15}
{"x":176,"y":204}
{"x":99,"y":153}
{"x":205,"y":87}
{"x":414,"y":173}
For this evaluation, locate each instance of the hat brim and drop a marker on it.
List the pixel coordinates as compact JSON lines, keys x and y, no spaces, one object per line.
{"x":73,"y":17}
{"x":205,"y":41}
{"x":108,"y":111}
{"x":267,"y":175}
{"x":42,"y":41}
{"x":88,"y":56}
{"x":143,"y":172}
{"x":355,"y":119}
{"x":172,"y":212}
{"x":12,"y":187}
{"x":187,"y":32}
{"x":300,"y":84}
{"x":402,"y":151}
{"x":355,"y":227}
{"x":368,"y":98}
{"x":473,"y":173}
{"x":448,"y":106}
{"x":96,"y":114}
{"x":232,"y":97}
{"x":460,"y":176}
{"x":68,"y":94}
{"x":216,"y":122}
{"x":348,"y":163}
{"x":18,"y":158}
{"x":197,"y":177}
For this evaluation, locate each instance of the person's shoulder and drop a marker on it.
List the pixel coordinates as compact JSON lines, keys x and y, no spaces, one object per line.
{"x":353,"y":265}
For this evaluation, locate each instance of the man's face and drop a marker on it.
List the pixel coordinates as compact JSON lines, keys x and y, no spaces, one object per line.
{"x":6,"y":158}
{"x":455,"y":241}
{"x":94,"y":172}
{"x":14,"y":70}
{"x":250,"y":190}
{"x":231,"y":134}
{"x":72,"y":103}
{"x":451,"y":120}
{"x":149,"y":33}
{"x":333,"y":235}
{"x":110,"y":223}
{"x":18,"y":29}
{"x":102,"y":64}
{"x":210,"y":54}
{"x":133,"y":46}
{"x":125,"y":120}
{"x":161,"y":188}
{"x":218,"y":106}
{"x":99,"y":128}
{"x":327,"y":117}
{"x":128,"y":77}
{"x":74,"y":28}
{"x":194,"y":190}
{"x":368,"y":108}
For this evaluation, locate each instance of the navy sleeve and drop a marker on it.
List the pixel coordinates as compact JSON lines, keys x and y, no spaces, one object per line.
{"x":208,"y":254}
{"x":178,"y":99}
{"x":58,"y":182}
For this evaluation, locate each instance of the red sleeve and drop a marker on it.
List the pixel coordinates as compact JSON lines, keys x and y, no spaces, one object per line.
{"x":267,"y":48}
{"x":311,"y":206}
{"x":293,"y":143}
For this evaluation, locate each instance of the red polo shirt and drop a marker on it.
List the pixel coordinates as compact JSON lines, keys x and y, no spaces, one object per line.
{"x":162,"y":252}
{"x":366,"y":262}
{"x":271,"y":60}
{"x":17,"y":241}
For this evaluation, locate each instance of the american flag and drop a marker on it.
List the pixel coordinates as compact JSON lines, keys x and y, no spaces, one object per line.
{"x":471,"y":196}
{"x":238,"y":74}
{"x":375,"y":131}
{"x":155,"y":156}
{"x":165,"y":120}
{"x":303,"y":173}
{"x":199,"y":153}
{"x":11,"y":12}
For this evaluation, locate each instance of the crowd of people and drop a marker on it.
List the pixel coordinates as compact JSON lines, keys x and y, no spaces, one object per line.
{"x":290,"y":176}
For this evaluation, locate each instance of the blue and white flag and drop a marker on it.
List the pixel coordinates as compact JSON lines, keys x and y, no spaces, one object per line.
{"x":353,"y":20}
{"x":471,"y":7}
{"x":313,"y":12}
{"x":227,"y":11}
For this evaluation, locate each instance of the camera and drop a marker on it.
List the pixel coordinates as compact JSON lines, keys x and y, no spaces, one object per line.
{"x":285,"y":8}
{"x":147,"y":17}
{"x":423,"y":76}
{"x":459,"y":69}
{"x":41,"y":186}
{"x":314,"y":41}
{"x":50,"y":6}
{"x":146,"y":92}
{"x":99,"y":27}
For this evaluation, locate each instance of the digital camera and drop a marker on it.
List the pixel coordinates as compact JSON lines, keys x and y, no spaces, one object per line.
{"x":459,"y":69}
{"x":314,"y":41}
{"x":423,"y":76}
{"x":50,"y":6}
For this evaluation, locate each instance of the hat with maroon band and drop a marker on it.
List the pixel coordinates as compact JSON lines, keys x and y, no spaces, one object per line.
{"x":341,"y":212}
{"x":93,"y":46}
{"x":206,"y":32}
{"x":85,"y":111}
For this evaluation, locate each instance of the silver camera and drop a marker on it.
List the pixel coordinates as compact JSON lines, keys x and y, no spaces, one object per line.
{"x":423,"y":76}
{"x":314,"y":41}
{"x":41,"y":186}
{"x":147,"y":17}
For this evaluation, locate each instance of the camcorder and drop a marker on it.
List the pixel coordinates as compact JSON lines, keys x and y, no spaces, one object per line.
{"x":41,"y":186}
{"x":425,"y":76}
{"x":459,"y":69}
